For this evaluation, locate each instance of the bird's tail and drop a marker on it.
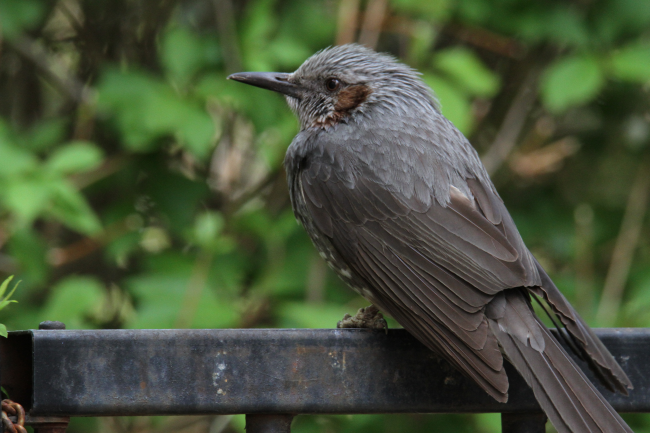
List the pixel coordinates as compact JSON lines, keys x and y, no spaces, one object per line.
{"x":584,"y":342}
{"x":569,"y":399}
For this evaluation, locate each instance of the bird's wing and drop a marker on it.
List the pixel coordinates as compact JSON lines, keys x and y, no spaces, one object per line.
{"x":433,"y":271}
{"x":588,"y":345}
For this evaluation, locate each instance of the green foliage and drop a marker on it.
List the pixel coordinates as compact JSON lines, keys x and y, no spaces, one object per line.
{"x":74,"y":157}
{"x":461,"y":78}
{"x":6,"y":300}
{"x":147,"y":109}
{"x":183,"y":53}
{"x":16,"y":15}
{"x":632,"y":63}
{"x":464,"y":67}
{"x":430,"y":11}
{"x":73,"y":300}
{"x":38,"y":187}
{"x":141,"y":189}
{"x":571,"y":81}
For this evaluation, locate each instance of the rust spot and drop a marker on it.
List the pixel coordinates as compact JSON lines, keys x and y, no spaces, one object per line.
{"x":143,"y":385}
{"x":351,"y":97}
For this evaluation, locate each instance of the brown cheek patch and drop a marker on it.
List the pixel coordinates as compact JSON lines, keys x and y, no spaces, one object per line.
{"x":351,"y":97}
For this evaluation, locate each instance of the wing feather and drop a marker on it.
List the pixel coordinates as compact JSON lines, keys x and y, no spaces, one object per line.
{"x":437,"y":268}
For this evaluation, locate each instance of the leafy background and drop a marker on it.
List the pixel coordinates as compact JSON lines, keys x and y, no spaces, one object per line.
{"x":140,"y":189}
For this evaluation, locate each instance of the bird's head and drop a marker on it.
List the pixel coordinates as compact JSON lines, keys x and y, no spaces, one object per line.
{"x":345,"y":82}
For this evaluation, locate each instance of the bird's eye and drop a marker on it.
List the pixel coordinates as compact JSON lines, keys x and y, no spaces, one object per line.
{"x":332,"y":84}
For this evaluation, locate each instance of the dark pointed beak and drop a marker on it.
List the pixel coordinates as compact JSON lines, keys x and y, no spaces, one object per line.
{"x":276,"y":81}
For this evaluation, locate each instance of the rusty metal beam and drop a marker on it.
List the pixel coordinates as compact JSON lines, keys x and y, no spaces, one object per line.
{"x":281,"y":371}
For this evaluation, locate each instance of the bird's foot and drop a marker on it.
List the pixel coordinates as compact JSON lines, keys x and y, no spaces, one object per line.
{"x":369,"y":317}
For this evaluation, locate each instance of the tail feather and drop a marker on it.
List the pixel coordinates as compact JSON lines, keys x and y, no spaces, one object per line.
{"x":592,"y":350}
{"x":517,"y":358}
{"x":590,"y":398}
{"x":567,"y":396}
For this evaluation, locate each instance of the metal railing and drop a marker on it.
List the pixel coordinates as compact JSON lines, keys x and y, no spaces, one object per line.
{"x":270,"y":375}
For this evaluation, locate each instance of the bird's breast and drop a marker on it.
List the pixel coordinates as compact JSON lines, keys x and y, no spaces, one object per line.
{"x":322,"y":242}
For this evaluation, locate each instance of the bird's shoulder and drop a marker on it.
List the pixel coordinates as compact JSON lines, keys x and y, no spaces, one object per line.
{"x":416,"y":159}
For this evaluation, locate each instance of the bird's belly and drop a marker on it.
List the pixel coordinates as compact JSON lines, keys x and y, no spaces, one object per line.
{"x":326,"y":250}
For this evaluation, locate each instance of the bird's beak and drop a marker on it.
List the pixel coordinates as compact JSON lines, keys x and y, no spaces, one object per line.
{"x":276,"y":81}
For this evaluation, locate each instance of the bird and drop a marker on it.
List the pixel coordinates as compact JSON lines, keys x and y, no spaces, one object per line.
{"x":396,"y":200}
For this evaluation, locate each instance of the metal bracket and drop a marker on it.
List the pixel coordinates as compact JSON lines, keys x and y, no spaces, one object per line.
{"x":47,"y":424}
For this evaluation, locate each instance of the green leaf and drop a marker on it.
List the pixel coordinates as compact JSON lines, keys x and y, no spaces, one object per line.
{"x":147,"y":109}
{"x":632,"y":63}
{"x":182,"y":54}
{"x":43,"y":135}
{"x":289,"y":52}
{"x":75,"y":157}
{"x":3,"y":288}
{"x":423,"y":35}
{"x":622,"y":18}
{"x":26,"y":197}
{"x":14,"y":160}
{"x":5,"y":302}
{"x":287,"y":274}
{"x":71,"y":208}
{"x":424,"y":10}
{"x":302,"y":315}
{"x":214,"y":312}
{"x":258,"y":27}
{"x":196,"y":131}
{"x":489,"y":422}
{"x":571,"y":81}
{"x":29,"y":250}
{"x":566,"y":25}
{"x":454,"y":104}
{"x":207,"y":227}
{"x":3,"y":331}
{"x":162,"y":296}
{"x":463,"y":67}
{"x":16,"y":15}
{"x":73,"y":300}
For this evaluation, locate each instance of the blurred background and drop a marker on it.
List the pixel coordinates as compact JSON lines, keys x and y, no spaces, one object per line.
{"x":140,"y":189}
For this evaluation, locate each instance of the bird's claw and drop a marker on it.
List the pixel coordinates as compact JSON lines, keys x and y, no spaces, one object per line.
{"x":368,"y":317}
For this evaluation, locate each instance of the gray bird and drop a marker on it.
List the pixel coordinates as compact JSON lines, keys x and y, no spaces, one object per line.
{"x":398,"y":203}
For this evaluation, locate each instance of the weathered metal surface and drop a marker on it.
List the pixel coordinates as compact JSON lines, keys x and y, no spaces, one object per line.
{"x":48,"y":424}
{"x":139,"y":372}
{"x":51,"y":324}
